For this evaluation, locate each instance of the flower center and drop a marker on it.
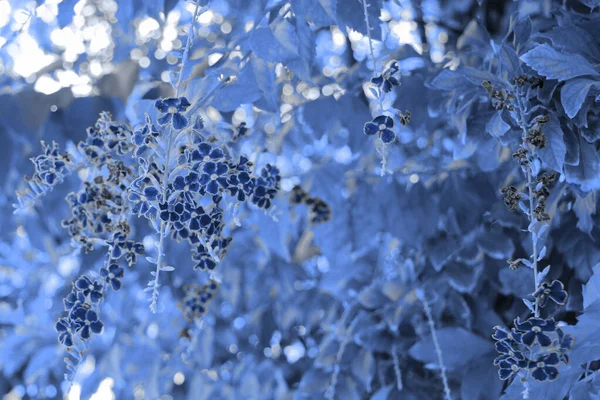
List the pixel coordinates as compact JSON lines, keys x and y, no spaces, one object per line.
{"x":172,"y":110}
{"x":382,"y":127}
{"x":111,"y":276}
{"x":213,"y":177}
{"x":536,"y":329}
{"x":541,"y":364}
{"x":514,"y":367}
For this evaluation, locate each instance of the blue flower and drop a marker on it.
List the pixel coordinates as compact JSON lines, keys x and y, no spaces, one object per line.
{"x":86,"y":321}
{"x":204,"y":153}
{"x":112,"y":275}
{"x":142,"y":201}
{"x":73,"y":298}
{"x":262,"y":195}
{"x":202,"y":258}
{"x":553,"y":291}
{"x":214,"y":176}
{"x":90,"y":288}
{"x":64,"y":328}
{"x":509,"y":367}
{"x":544,"y":368}
{"x":240,"y":185}
{"x":269,"y":176}
{"x":536,"y":329}
{"x":187,"y":185}
{"x":381,"y":125}
{"x":144,"y":136}
{"x":199,"y":219}
{"x":386,"y":81}
{"x":172,"y":109}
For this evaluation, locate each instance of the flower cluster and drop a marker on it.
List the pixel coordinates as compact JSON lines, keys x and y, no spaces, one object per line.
{"x":501,"y":99}
{"x":319,"y":210}
{"x":186,"y":191}
{"x":51,"y":167}
{"x":197,"y":299}
{"x":534,"y":81}
{"x":511,"y":197}
{"x":534,"y":347}
{"x":535,"y":136}
{"x":81,"y":319}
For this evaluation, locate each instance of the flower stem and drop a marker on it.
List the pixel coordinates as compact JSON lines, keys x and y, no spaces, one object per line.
{"x":528,"y":172}
{"x":163,"y":226}
{"x":436,"y":344}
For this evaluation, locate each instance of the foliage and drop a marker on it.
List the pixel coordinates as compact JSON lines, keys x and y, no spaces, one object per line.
{"x":316,"y":198}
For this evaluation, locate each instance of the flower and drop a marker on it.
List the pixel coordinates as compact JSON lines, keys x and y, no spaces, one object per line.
{"x":73,"y":298}
{"x":509,"y":367}
{"x":199,"y":219}
{"x":142,"y":201}
{"x":86,"y":322}
{"x":263,"y":195}
{"x":202,"y":258}
{"x":90,"y":288}
{"x":172,"y":109}
{"x":240,"y":185}
{"x":553,"y":291}
{"x":144,"y":136}
{"x":214,"y":176}
{"x":112,"y":275}
{"x":536,"y":328}
{"x":386,"y":81}
{"x":64,"y":328}
{"x":205,"y":152}
{"x":544,"y":368}
{"x":381,"y":125}
{"x":187,"y":184}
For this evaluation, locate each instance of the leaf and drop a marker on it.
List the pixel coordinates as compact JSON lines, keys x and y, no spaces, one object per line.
{"x":573,"y":94}
{"x":479,"y":381}
{"x":585,"y":207}
{"x":553,"y":154}
{"x":275,"y":46}
{"x":363,"y":367}
{"x":496,"y":125}
{"x":449,"y":80}
{"x":548,"y":62}
{"x":458,"y":347}
{"x":243,"y":91}
{"x":318,"y":12}
{"x":587,"y":173}
{"x":591,"y":290}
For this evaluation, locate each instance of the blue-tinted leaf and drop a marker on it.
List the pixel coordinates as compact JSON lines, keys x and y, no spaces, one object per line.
{"x":555,"y":151}
{"x":573,"y":94}
{"x":458,"y":347}
{"x":587,"y":173}
{"x":552,"y":64}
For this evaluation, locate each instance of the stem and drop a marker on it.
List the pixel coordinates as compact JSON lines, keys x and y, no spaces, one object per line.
{"x":383,"y":151}
{"x":163,"y":226}
{"x":330,"y":393}
{"x":436,"y":344}
{"x":523,"y":125}
{"x":190,"y":40}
